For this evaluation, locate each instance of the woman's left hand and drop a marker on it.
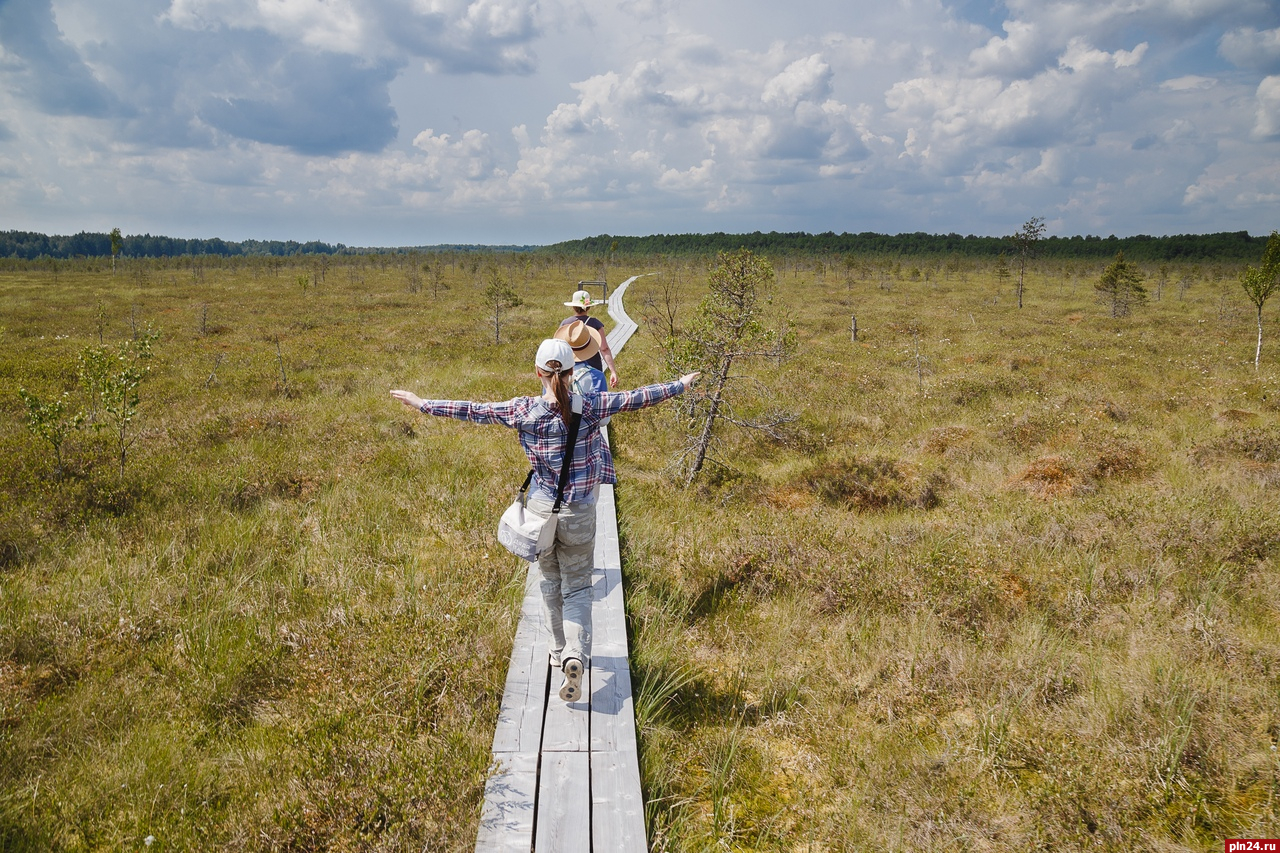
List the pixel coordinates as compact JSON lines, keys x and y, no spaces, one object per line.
{"x":689,"y":378}
{"x":408,"y":398}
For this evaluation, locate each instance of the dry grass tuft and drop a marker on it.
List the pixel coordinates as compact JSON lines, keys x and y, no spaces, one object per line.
{"x":789,"y":497}
{"x":1119,"y":458}
{"x":876,"y":484}
{"x":1112,"y":412}
{"x":939,"y":440}
{"x":1051,"y":477}
{"x":1253,"y":453}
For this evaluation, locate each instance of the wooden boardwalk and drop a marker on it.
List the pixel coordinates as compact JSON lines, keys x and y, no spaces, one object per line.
{"x":566,"y":776}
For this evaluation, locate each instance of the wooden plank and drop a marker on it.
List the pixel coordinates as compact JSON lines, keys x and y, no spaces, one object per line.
{"x":567,"y":725}
{"x":507,"y":817}
{"x":608,"y":614}
{"x":619,"y":335}
{"x":617,"y":807}
{"x":607,"y":554}
{"x":524,"y":697}
{"x":613,"y":721}
{"x":564,"y":803}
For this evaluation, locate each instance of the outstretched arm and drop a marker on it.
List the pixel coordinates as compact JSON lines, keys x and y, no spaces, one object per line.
{"x":506,"y":413}
{"x":612,"y":402}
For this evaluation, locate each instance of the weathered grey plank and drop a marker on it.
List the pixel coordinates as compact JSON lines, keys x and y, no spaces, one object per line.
{"x":567,"y":725}
{"x":607,"y":555}
{"x":506,"y":819}
{"x":520,"y":714}
{"x":608,"y":613}
{"x":613,"y":723}
{"x":617,"y":806}
{"x":564,"y":803}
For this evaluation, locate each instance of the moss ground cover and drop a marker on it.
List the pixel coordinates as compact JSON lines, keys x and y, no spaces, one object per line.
{"x":1009,"y":581}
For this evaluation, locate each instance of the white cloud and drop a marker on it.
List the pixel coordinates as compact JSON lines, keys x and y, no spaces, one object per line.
{"x":1252,"y":49}
{"x":470,"y":158}
{"x":1097,"y":17}
{"x":1268,"y":121}
{"x":1023,"y":50}
{"x":471,"y":35}
{"x":1189,"y":82}
{"x":1236,"y":181}
{"x":335,"y":26}
{"x":698,"y":177}
{"x":807,"y":79}
{"x":951,"y":122}
{"x":1081,"y":56}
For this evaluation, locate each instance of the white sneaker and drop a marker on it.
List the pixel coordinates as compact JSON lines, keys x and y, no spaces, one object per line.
{"x":554,"y":658}
{"x":572,"y":689}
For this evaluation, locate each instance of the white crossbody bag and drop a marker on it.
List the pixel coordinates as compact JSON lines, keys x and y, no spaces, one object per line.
{"x":524,"y":534}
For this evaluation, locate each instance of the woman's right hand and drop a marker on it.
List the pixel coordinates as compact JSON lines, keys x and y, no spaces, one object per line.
{"x":409,"y":398}
{"x":689,"y":378}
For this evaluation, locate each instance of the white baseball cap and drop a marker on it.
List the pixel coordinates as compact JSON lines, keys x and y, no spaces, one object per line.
{"x":554,"y":350}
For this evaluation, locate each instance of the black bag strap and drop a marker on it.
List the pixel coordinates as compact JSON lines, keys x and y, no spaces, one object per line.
{"x":567,"y":461}
{"x":568,"y":451}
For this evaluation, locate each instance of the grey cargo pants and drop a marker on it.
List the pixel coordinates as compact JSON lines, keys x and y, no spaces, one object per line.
{"x":566,"y":577}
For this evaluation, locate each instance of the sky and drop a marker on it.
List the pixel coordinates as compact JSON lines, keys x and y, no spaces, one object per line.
{"x":423,"y":122}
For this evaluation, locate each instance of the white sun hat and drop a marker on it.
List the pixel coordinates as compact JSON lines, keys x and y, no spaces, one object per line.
{"x":554,"y":350}
{"x":581,"y":299}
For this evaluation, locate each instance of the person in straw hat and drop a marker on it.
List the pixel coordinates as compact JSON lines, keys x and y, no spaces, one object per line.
{"x":581,"y":303}
{"x":543,"y":425}
{"x":585,"y":342}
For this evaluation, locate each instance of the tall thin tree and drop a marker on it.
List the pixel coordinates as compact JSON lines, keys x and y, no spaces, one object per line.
{"x":1024,"y":245}
{"x":729,"y":327}
{"x":499,"y":295}
{"x":1260,"y":283}
{"x":117,"y":243}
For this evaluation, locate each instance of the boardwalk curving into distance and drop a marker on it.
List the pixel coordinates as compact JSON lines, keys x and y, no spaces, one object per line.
{"x":566,"y":776}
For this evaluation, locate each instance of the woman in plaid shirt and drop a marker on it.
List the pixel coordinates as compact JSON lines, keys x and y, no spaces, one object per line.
{"x":543,"y":426}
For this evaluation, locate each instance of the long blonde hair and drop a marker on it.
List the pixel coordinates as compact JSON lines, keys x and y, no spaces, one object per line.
{"x":561,"y":386}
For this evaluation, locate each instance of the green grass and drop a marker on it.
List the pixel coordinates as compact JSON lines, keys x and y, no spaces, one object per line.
{"x":1017,"y":586}
{"x":1009,"y":583}
{"x":287,"y":626}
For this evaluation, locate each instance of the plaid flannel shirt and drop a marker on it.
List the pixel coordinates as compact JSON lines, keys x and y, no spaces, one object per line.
{"x":543,"y":433}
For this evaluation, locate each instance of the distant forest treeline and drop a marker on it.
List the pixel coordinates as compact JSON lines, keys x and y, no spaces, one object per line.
{"x":1224,"y":246}
{"x":29,"y":245}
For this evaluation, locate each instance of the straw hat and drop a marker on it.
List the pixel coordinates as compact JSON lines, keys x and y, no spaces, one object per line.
{"x":584,"y":339}
{"x":581,"y":299}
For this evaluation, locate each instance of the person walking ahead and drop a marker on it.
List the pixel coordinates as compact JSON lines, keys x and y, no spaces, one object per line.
{"x":542,"y":422}
{"x":581,"y":303}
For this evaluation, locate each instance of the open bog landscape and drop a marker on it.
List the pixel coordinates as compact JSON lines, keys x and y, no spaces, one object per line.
{"x":1005,"y":579}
